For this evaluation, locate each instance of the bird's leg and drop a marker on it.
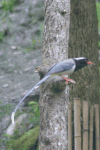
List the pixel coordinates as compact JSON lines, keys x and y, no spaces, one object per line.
{"x":68,"y":80}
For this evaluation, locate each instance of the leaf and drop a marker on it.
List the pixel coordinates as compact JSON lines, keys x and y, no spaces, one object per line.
{"x":33,"y":103}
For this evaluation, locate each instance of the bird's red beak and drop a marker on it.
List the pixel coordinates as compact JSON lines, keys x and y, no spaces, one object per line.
{"x":89,"y":62}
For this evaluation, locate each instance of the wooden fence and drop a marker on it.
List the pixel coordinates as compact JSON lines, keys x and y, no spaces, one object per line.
{"x":83,"y":126}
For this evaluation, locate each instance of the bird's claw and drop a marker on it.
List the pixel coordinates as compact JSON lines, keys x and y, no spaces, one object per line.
{"x":69,"y":80}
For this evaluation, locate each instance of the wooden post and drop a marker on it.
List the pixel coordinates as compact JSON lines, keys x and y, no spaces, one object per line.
{"x":77,"y":124}
{"x":97,"y":136}
{"x":91,"y":128}
{"x":85,"y":125}
{"x":69,"y":126}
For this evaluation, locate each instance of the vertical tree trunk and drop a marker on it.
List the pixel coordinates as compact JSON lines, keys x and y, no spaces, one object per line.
{"x":54,"y":97}
{"x":83,"y":41}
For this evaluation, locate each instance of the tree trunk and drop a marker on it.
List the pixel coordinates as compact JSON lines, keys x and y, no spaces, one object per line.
{"x":54,"y":93}
{"x":83,"y":41}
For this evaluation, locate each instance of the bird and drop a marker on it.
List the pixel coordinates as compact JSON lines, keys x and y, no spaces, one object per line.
{"x":63,"y":68}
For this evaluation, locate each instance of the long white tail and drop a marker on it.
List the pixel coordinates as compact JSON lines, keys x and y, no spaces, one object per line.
{"x":36,"y":86}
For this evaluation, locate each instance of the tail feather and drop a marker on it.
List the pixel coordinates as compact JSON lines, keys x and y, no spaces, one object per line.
{"x":36,"y":86}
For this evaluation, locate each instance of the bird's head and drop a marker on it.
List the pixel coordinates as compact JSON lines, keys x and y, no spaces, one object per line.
{"x":81,"y":62}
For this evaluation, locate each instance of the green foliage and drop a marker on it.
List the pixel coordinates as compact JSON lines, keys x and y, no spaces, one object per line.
{"x":36,"y":43}
{"x":37,"y":40}
{"x":1,"y":36}
{"x":99,"y":75}
{"x":8,"y":5}
{"x":25,"y":50}
{"x":35,"y":108}
{"x":4,"y":110}
{"x":98,"y":13}
{"x":99,"y":80}
{"x":39,"y":4}
{"x":99,"y":44}
{"x":26,"y":141}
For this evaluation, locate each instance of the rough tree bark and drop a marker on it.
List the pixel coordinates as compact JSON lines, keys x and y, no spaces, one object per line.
{"x":54,"y":93}
{"x":83,"y":41}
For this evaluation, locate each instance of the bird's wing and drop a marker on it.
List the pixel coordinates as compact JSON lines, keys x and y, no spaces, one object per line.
{"x":61,"y":67}
{"x":36,"y":86}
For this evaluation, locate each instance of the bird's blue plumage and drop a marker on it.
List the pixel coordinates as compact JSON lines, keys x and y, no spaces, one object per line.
{"x":67,"y":67}
{"x":61,"y":67}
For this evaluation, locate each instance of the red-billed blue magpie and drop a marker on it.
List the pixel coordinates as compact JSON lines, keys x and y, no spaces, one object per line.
{"x":65,"y":67}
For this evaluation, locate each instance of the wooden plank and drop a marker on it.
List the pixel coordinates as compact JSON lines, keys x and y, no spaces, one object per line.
{"x":77,"y":124}
{"x":91,"y":128}
{"x":69,"y":126}
{"x":97,"y":136}
{"x":85,"y":125}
